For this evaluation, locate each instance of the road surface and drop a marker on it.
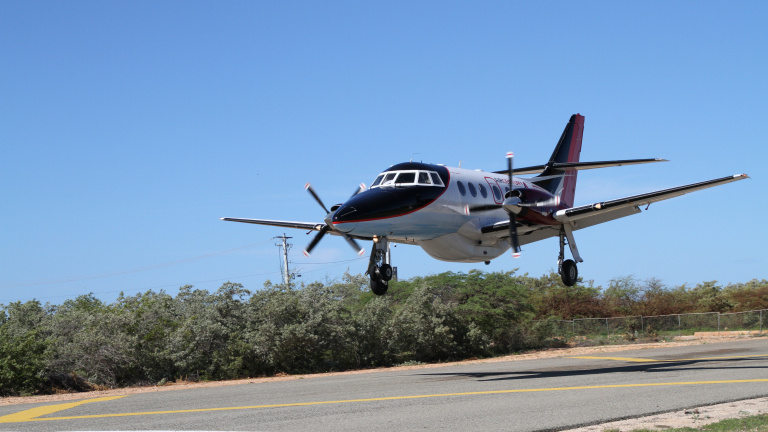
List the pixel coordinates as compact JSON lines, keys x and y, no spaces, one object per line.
{"x":529,"y":395}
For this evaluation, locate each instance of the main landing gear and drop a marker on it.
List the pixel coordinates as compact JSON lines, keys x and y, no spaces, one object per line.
{"x":379,"y":268}
{"x":567,"y":269}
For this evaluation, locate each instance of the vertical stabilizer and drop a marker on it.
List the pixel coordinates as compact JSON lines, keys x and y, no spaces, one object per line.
{"x":563,"y":182}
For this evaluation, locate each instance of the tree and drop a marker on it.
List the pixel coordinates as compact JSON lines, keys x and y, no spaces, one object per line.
{"x":549,"y":298}
{"x":23,"y":354}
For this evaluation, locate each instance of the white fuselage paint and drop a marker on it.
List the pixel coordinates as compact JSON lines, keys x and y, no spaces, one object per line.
{"x":446,"y":229}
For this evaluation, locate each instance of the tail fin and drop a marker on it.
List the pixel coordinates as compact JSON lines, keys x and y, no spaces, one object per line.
{"x":562,"y":183}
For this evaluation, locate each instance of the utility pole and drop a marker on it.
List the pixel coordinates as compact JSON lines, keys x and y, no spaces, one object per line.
{"x":284,"y":267}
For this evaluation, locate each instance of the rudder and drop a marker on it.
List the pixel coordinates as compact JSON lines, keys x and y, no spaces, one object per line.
{"x":568,"y":149}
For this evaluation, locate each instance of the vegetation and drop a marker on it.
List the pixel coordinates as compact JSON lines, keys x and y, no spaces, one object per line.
{"x":153,"y":337}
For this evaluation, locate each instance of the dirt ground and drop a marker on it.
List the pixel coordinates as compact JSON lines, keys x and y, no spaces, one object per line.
{"x":691,"y":418}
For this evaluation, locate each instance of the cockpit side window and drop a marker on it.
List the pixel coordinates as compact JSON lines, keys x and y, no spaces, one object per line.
{"x":436,"y":179}
{"x":424,"y":178}
{"x":378,"y":180}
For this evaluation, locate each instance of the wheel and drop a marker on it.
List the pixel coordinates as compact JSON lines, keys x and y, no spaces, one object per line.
{"x":378,"y":286}
{"x":384,"y":272}
{"x":569,"y":273}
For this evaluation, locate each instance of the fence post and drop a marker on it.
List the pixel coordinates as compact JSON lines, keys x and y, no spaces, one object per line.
{"x":607,"y":329}
{"x":642,"y":326}
{"x":761,"y":320}
{"x":718,"y":323}
{"x":679,"y":326}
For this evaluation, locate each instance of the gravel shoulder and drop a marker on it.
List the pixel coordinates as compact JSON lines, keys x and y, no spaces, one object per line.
{"x":692,"y":418}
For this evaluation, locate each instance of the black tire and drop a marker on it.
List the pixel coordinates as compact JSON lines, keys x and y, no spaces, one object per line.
{"x":378,"y":286}
{"x":385,"y":272}
{"x":569,"y":273}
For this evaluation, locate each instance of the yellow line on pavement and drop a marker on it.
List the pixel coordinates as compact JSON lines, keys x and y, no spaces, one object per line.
{"x":32,"y":413}
{"x":391,"y":398}
{"x":628,"y":359}
{"x":644,"y":360}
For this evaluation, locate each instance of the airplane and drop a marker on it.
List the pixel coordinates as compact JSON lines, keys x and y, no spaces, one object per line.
{"x":471,"y":216}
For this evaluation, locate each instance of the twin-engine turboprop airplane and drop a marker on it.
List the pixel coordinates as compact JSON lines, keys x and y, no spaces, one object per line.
{"x":462,"y":215}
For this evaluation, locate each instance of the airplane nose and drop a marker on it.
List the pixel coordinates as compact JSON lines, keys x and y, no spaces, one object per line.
{"x":342,"y":218}
{"x":383,"y":203}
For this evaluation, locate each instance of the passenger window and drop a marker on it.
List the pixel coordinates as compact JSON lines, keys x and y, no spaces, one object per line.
{"x":424,"y":178}
{"x":436,"y":179}
{"x":460,"y":185}
{"x":406,"y":178}
{"x":482,"y":190}
{"x":496,"y":192}
{"x":472,"y":190}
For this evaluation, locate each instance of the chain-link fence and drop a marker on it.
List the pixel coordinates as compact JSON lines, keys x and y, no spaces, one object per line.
{"x":664,"y":325}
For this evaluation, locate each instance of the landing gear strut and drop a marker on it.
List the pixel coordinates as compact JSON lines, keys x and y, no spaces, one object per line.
{"x":379,"y":268}
{"x":567,"y":269}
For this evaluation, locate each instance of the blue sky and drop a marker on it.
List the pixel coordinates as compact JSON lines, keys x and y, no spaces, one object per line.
{"x":128,"y":128}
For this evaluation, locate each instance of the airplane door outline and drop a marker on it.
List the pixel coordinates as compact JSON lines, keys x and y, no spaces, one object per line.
{"x":497,"y":198}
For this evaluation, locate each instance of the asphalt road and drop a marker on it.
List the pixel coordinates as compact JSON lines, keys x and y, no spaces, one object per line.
{"x":546,"y":394}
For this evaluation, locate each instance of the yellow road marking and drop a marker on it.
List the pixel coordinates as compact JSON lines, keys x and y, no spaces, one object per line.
{"x":32,"y":413}
{"x":629,"y":359}
{"x":390,"y":398}
{"x":643,"y":360}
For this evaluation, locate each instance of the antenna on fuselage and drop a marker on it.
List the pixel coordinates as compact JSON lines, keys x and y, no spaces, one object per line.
{"x":412,"y":155}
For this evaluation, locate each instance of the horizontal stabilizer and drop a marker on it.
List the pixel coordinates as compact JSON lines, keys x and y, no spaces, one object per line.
{"x":577,"y":166}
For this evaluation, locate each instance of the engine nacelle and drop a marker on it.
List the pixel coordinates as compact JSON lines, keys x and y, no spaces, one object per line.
{"x":455,"y":247}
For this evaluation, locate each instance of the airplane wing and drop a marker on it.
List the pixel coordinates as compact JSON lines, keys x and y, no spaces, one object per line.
{"x":283,"y":224}
{"x":597,"y":213}
{"x":593,"y":214}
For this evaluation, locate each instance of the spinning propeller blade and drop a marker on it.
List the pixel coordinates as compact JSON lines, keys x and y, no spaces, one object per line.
{"x":317,"y":198}
{"x":360,"y":188}
{"x":316,"y":240}
{"x":512,"y":221}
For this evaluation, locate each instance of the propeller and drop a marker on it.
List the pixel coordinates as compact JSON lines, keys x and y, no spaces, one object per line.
{"x":512,"y":222}
{"x":323,"y":230}
{"x":317,"y":197}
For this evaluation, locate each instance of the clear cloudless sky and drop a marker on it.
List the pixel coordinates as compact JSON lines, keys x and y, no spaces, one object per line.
{"x":127,"y":128}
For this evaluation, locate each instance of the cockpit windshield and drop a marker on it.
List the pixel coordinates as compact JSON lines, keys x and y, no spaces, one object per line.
{"x":407,"y":178}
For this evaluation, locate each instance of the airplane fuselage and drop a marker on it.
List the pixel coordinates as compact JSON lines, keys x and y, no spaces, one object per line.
{"x":444,"y":217}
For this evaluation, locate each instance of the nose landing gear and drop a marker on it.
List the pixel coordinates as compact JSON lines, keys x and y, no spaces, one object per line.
{"x":379,"y":268}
